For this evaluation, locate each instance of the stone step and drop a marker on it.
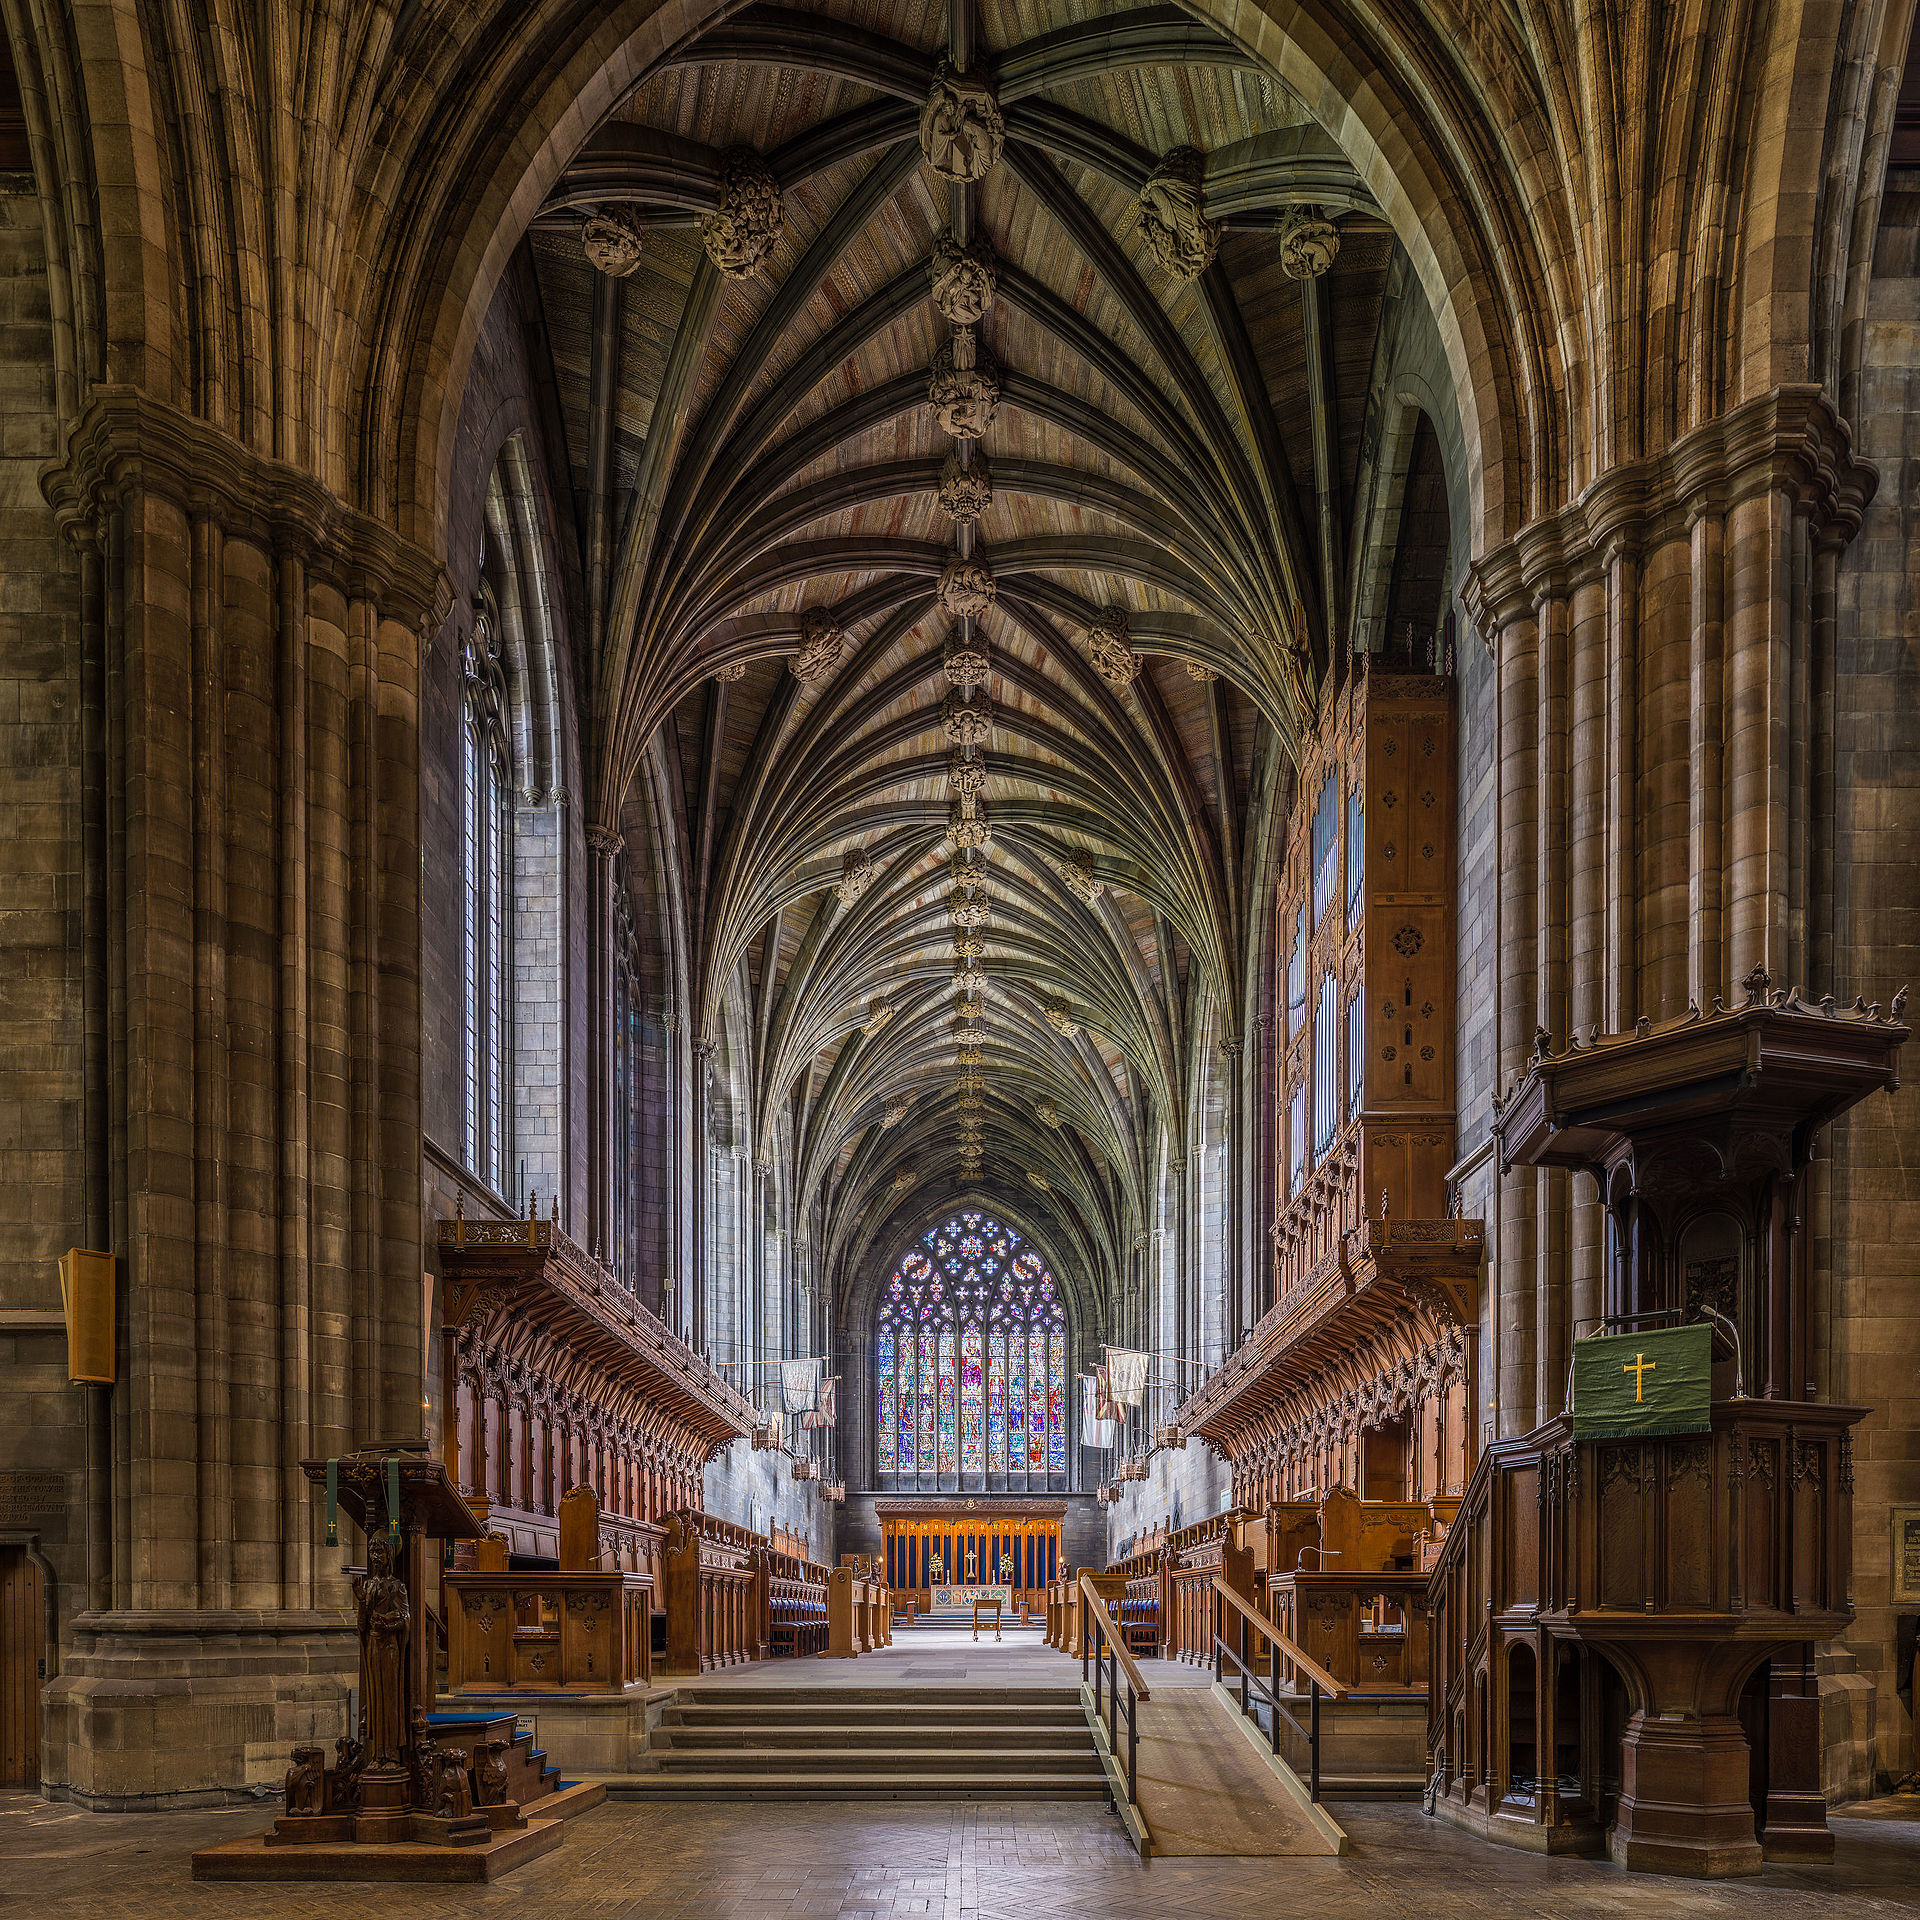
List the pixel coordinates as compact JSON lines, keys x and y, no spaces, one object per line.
{"x":922,"y":1717}
{"x":947,"y":1696}
{"x":808,"y":1733}
{"x":870,"y":1759}
{"x":892,"y":1784}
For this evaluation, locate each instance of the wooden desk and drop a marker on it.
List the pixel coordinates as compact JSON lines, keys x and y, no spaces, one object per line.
{"x":979,"y":1606}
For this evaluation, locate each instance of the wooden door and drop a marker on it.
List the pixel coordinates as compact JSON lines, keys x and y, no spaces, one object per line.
{"x":22,"y":1626}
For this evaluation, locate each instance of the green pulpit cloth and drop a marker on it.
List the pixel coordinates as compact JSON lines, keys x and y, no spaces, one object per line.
{"x":1629,"y":1384}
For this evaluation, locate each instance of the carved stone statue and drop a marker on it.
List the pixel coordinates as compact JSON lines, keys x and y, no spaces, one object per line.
{"x":965,"y":662}
{"x":306,"y":1781}
{"x":613,"y":242}
{"x":856,"y":876}
{"x":822,"y":641}
{"x":966,"y":586}
{"x":490,"y":1775}
{"x":1081,"y":883}
{"x":741,"y":231}
{"x":1173,"y":214}
{"x":967,"y":718}
{"x":1309,"y":244}
{"x":966,"y":777}
{"x":967,"y":907}
{"x":965,"y":280}
{"x":965,"y":492}
{"x":969,"y":825}
{"x":1109,"y":648}
{"x":964,"y":386}
{"x":961,"y":127}
{"x":386,"y":1624}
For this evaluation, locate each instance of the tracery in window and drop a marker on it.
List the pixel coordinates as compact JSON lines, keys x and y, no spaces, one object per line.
{"x":970,"y":1356}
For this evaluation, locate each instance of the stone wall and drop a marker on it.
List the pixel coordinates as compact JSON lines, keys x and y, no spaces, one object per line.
{"x":1180,"y":1488}
{"x":758,"y":1490}
{"x":1875,"y":1151}
{"x":43,"y":1167}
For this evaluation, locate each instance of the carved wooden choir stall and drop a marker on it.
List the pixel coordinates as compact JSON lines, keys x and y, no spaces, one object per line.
{"x":1624,"y":1628}
{"x":556,"y":1377}
{"x":405,"y":1785}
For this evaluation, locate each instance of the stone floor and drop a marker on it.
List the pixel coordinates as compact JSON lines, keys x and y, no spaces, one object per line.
{"x":985,"y":1862}
{"x":929,"y":1656}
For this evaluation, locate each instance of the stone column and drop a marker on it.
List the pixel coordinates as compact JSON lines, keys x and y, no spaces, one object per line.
{"x":258,"y":1105}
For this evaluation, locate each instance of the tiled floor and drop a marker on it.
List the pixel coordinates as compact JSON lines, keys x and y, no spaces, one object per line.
{"x":990,"y":1862}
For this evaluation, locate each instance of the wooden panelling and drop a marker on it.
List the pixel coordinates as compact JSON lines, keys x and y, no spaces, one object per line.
{"x":22,"y":1646}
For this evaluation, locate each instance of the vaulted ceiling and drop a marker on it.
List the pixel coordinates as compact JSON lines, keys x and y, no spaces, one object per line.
{"x":850,"y":719}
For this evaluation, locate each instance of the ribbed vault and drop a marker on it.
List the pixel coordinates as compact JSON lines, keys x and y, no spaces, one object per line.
{"x":971,"y":726}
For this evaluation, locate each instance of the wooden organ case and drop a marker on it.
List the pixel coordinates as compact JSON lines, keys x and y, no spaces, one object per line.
{"x":1360,"y":1373}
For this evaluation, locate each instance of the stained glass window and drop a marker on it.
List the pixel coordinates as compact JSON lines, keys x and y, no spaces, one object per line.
{"x":889,"y":1431}
{"x":970,"y":1359}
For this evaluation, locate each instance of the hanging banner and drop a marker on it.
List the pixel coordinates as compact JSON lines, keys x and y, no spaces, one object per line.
{"x":1104,"y":1406}
{"x":827,"y":1411}
{"x":800,"y":1385}
{"x":1629,"y":1384}
{"x":1094,"y":1431}
{"x":1127,"y":1376}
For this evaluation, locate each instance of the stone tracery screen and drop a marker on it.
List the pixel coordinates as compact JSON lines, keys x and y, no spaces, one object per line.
{"x":970,"y":1361}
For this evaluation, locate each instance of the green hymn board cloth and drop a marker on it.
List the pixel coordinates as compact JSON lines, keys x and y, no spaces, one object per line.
{"x":1629,"y":1384}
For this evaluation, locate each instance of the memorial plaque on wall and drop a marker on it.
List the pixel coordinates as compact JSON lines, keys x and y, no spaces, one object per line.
{"x":1906,"y":1556}
{"x":34,"y":1503}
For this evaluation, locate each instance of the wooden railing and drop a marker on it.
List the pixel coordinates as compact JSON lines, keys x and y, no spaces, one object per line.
{"x":547,"y":1632}
{"x":1103,"y":1647}
{"x":1282,"y":1650}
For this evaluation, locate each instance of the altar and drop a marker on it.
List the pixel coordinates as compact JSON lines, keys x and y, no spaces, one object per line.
{"x":958,"y":1602}
{"x":940,"y":1552}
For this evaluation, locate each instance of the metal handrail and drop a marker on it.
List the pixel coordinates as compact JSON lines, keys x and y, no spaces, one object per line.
{"x":1101,"y":1643}
{"x":1319,"y":1680}
{"x":1128,"y":1665}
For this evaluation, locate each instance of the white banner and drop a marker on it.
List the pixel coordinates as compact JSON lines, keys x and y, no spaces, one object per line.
{"x":1126,"y":1376}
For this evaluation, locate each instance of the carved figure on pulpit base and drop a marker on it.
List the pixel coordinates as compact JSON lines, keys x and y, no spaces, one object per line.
{"x":490,"y":1775}
{"x":386,"y":1621}
{"x":306,"y":1782}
